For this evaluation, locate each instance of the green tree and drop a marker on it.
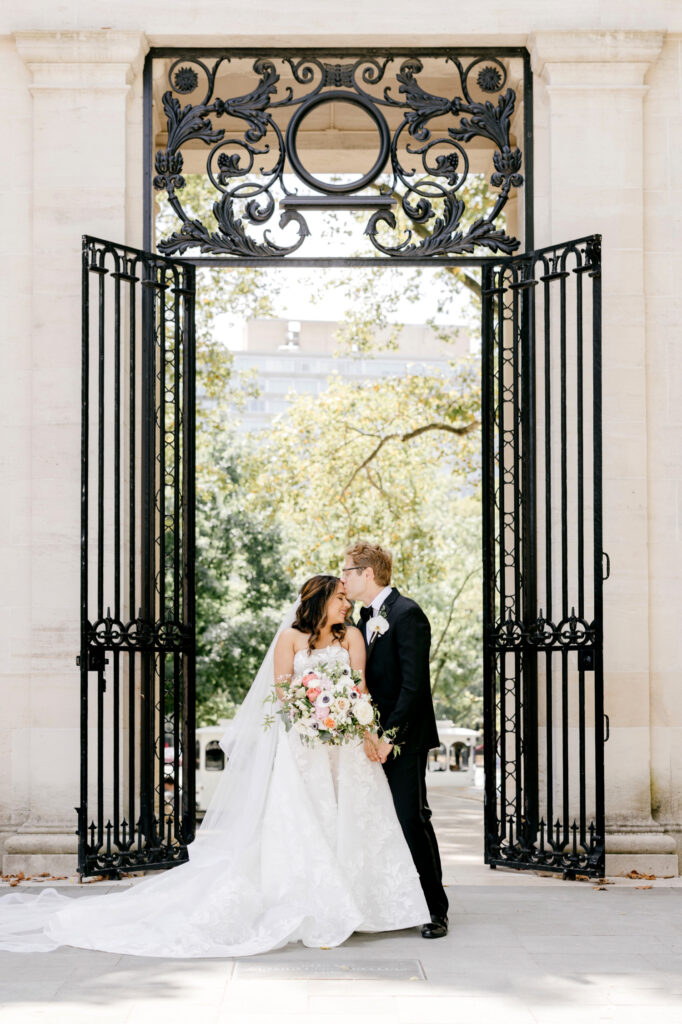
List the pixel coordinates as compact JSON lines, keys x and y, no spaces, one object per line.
{"x":241,"y":582}
{"x":395,"y":461}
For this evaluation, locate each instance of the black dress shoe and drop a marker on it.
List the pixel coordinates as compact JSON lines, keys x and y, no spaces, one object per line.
{"x":436,"y":928}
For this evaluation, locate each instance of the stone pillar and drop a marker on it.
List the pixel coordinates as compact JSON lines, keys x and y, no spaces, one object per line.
{"x":594,"y":164}
{"x":663,"y":265}
{"x":80,"y":83}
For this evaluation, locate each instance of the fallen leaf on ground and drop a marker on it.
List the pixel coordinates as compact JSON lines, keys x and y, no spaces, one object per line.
{"x":643,"y":886}
{"x":639,"y":874}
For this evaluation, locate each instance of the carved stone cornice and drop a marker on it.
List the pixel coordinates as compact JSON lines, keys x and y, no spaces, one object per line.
{"x":104,"y":60}
{"x":590,"y":59}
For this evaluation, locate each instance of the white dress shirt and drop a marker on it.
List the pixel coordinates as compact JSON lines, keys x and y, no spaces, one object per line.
{"x":376,"y":608}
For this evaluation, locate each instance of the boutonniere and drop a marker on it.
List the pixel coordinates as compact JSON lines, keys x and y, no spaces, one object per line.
{"x":378,"y":624}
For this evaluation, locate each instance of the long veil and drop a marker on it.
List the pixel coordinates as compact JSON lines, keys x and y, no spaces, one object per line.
{"x":229,"y":835}
{"x":236,"y":808}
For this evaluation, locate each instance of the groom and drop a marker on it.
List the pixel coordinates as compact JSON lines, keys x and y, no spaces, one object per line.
{"x":398,"y":637}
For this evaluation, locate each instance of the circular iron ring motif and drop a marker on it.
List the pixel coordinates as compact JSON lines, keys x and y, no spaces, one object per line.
{"x":345,"y":97}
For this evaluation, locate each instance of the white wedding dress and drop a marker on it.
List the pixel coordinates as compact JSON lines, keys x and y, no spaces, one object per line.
{"x":321,"y":857}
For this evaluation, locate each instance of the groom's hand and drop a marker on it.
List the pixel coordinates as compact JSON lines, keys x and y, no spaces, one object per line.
{"x":383,"y":750}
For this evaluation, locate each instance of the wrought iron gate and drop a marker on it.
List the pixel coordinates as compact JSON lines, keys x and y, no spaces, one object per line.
{"x":137,"y":808}
{"x":543,"y":674}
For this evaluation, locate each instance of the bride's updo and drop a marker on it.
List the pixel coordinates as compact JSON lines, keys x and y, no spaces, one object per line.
{"x":311,"y":614}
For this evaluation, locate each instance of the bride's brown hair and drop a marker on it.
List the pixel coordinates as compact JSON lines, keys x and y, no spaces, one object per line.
{"x":311,"y":615}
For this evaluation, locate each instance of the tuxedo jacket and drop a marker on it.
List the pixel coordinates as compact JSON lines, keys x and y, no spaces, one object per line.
{"x":397,"y":674}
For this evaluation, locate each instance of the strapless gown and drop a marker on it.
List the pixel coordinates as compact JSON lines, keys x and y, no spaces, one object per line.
{"x":331,"y":860}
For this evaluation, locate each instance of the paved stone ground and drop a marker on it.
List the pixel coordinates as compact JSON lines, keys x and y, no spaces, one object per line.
{"x":521,"y":949}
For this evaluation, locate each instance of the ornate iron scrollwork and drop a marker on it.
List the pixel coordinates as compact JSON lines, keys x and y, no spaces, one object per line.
{"x":111,"y":634}
{"x":572,"y":633}
{"x":430,"y":197}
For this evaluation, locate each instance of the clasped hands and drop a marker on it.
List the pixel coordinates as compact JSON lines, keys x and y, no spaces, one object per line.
{"x":376,"y":748}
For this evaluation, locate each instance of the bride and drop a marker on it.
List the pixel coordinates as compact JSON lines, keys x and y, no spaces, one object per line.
{"x":299,"y":843}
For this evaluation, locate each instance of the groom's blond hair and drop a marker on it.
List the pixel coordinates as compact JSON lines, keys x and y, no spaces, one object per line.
{"x":371,"y":556}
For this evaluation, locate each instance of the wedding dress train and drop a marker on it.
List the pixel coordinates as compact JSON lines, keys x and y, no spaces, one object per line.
{"x":304,"y":845}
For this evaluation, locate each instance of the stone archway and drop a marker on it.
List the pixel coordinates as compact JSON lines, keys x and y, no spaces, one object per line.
{"x":547,"y":737}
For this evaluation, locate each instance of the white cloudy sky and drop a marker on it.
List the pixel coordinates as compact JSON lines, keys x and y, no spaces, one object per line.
{"x":316,"y":295}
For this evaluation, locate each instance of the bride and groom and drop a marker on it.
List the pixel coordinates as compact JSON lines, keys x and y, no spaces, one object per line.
{"x":300,"y":842}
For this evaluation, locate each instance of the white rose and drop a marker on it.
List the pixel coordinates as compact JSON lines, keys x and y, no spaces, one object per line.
{"x":363,"y":711}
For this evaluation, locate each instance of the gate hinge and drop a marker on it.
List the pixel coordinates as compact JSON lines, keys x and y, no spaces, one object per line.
{"x":96,"y":659}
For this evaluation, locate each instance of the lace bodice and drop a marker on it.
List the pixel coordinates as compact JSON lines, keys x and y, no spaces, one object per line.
{"x":305,"y":660}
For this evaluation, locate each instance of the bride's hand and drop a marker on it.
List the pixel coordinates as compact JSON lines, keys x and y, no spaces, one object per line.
{"x":371,"y":747}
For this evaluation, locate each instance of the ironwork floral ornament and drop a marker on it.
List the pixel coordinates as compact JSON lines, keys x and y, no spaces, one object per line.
{"x":489,"y":79}
{"x":186,"y":80}
{"x":247,"y":167}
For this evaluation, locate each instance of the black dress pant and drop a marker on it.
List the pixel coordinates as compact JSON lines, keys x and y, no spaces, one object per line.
{"x":406,"y":776}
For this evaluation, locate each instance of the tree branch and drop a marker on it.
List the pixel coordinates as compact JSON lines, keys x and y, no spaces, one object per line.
{"x":409,"y":436}
{"x":447,"y":627}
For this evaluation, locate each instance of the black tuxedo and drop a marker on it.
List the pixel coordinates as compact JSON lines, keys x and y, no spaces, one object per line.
{"x":397,"y":674}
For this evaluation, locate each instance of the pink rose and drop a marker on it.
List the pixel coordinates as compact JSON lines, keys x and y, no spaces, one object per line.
{"x":312,"y":694}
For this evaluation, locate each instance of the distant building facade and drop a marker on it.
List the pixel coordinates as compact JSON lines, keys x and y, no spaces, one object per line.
{"x":297,"y":357}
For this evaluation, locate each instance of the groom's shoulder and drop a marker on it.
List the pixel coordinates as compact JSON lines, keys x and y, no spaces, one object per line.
{"x":404,"y":605}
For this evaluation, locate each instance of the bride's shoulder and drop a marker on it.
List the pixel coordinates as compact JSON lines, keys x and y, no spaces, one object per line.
{"x":292,"y":638}
{"x":353,"y":636}
{"x":288,"y":636}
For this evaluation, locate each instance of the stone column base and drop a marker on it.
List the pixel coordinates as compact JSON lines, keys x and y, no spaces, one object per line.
{"x":650,"y":853}
{"x":38,"y":849}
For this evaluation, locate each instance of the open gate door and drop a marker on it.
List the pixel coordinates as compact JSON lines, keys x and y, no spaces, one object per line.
{"x":542,"y":552}
{"x":137,"y":649}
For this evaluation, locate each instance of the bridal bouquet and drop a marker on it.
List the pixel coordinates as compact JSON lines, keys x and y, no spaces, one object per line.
{"x":325,"y":705}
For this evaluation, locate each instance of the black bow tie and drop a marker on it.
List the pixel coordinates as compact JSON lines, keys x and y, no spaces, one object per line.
{"x":366,"y":614}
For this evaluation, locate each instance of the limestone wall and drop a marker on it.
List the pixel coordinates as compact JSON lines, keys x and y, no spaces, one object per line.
{"x":608,"y":136}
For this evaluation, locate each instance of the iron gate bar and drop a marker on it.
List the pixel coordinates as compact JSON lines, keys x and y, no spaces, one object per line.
{"x":162,"y":630}
{"x":527,"y":556}
{"x":517,"y":833}
{"x":304,"y":262}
